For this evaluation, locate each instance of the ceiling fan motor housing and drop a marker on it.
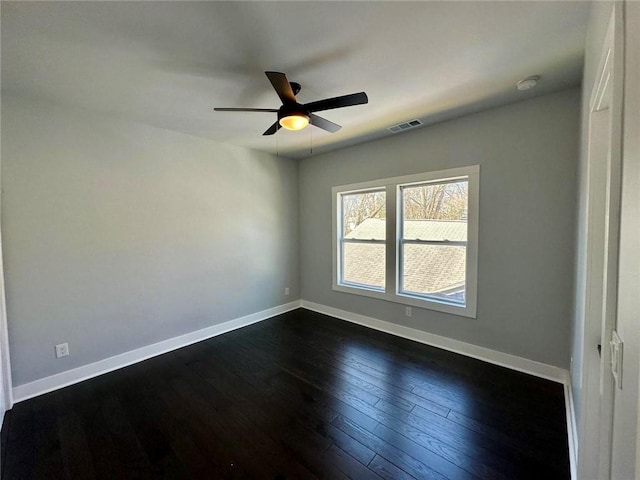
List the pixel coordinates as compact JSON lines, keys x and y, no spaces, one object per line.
{"x":296,"y":87}
{"x":292,"y":109}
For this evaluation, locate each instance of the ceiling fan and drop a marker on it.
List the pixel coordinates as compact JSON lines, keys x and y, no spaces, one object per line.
{"x":295,"y":116}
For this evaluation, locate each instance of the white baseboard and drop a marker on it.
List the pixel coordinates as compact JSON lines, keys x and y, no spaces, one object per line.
{"x":69,"y":377}
{"x":572,"y":429}
{"x":513,"y":362}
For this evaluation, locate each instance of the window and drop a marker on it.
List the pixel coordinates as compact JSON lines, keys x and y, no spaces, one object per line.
{"x":433,"y":239}
{"x":411,"y":240}
{"x":362,"y":249}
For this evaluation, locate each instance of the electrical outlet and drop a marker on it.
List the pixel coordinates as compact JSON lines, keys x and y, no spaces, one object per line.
{"x":62,"y":350}
{"x":407,"y":311}
{"x":286,"y":291}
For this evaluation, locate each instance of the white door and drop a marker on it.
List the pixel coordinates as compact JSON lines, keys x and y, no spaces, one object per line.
{"x":603,"y":206}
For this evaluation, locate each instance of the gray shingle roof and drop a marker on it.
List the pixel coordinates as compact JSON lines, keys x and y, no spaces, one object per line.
{"x":437,"y":270}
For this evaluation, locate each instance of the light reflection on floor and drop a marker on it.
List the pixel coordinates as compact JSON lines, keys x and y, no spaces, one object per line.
{"x":433,"y":387}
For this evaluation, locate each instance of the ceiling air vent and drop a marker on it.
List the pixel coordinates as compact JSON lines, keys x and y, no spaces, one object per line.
{"x":405,"y":126}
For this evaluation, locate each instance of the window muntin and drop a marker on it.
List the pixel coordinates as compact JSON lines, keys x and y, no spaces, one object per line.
{"x":432,"y":240}
{"x":403,"y":278}
{"x":363,"y":239}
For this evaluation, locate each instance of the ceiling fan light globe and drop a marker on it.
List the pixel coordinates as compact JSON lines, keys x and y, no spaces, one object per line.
{"x":294,"y":122}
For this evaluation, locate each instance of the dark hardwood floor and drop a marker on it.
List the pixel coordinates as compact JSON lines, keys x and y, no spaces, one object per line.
{"x":299,"y":396}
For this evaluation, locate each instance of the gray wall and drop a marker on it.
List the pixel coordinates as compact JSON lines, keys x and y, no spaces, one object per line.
{"x":119,"y":235}
{"x":528,"y":155}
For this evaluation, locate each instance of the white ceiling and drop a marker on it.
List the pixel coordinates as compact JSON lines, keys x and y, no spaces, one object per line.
{"x":168,"y":64}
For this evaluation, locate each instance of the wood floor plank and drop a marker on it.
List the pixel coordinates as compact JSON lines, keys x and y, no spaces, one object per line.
{"x":132,"y":456}
{"x":415,"y":442}
{"x":379,"y":365}
{"x":349,"y":465}
{"x":299,"y":396}
{"x":388,"y":470}
{"x":443,"y":365}
{"x":255,"y":416}
{"x":49,"y":460}
{"x":78,"y":463}
{"x":164,"y":435}
{"x":427,"y":466}
{"x":21,"y":447}
{"x":422,"y":425}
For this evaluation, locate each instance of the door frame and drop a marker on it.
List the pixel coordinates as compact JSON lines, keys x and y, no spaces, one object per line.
{"x":6,"y":393}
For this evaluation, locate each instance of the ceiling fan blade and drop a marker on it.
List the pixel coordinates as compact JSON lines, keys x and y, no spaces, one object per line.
{"x":270,"y":110}
{"x":337,"y":102}
{"x":323,"y":123}
{"x":281,"y":86}
{"x":272,"y":129}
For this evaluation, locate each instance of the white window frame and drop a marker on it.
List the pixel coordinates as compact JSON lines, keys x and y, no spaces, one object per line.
{"x":342,"y":241}
{"x":391,"y":291}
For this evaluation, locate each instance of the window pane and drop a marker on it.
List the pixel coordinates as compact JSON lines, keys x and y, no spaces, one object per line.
{"x":363,"y":215}
{"x":435,"y":211}
{"x":364,"y":263}
{"x":434,"y":270}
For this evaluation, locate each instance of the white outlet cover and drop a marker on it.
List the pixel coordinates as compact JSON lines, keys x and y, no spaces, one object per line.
{"x":62,"y":350}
